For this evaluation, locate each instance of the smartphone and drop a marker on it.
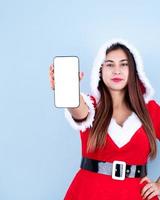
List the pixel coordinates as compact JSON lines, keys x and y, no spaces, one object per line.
{"x":67,"y":83}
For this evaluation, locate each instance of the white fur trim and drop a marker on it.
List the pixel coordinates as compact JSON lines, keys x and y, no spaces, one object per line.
{"x":122,"y":135}
{"x":140,"y":69}
{"x":88,"y":122}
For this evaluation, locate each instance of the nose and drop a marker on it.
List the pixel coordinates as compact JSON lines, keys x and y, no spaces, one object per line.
{"x":116,"y":70}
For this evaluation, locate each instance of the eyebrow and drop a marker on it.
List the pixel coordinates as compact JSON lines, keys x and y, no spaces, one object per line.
{"x":113,"y":61}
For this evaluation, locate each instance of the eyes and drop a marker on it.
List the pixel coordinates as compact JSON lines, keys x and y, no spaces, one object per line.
{"x":123,"y":65}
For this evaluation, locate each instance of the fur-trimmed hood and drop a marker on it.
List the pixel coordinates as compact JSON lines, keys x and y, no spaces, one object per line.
{"x":149,"y":91}
{"x":93,"y":99}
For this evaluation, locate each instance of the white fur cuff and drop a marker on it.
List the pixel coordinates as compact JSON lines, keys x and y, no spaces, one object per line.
{"x":86,"y":123}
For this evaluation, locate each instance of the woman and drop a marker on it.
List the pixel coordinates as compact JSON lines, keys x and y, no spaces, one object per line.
{"x":118,"y":130}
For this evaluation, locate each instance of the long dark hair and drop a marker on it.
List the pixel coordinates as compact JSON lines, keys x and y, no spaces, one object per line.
{"x":133,"y":98}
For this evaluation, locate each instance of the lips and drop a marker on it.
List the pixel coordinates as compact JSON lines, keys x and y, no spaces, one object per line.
{"x":117,"y":79}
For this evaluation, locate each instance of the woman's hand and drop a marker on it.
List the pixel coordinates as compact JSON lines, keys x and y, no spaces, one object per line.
{"x":151,"y":189}
{"x":51,"y":76}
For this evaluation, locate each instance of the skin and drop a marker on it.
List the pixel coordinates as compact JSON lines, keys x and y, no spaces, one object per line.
{"x":151,"y":189}
{"x":117,"y":68}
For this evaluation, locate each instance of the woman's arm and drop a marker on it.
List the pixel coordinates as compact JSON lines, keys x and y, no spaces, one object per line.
{"x":82,"y":117}
{"x":80,"y":112}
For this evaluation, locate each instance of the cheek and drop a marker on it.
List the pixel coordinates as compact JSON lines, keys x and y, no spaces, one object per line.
{"x":126,"y":73}
{"x":106,"y":74}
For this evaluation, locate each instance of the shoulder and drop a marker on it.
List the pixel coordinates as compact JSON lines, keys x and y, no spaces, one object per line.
{"x":153,"y":102}
{"x":153,"y":106}
{"x":154,"y":111}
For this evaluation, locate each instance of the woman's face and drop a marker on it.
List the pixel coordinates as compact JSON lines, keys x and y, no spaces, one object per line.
{"x":115,"y":66}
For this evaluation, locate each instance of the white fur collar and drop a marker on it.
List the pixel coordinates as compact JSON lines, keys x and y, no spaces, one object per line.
{"x":122,"y":135}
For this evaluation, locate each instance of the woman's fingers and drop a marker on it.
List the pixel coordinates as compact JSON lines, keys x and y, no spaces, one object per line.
{"x":81,"y":74}
{"x":149,"y":189}
{"x":145,"y":179}
{"x":51,"y":71}
{"x":51,"y":76}
{"x":52,"y":84}
{"x":51,"y":67}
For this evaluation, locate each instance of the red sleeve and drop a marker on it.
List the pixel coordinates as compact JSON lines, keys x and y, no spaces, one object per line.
{"x":154,"y":110}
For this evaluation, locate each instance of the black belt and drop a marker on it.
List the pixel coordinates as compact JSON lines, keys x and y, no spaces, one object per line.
{"x":118,"y":169}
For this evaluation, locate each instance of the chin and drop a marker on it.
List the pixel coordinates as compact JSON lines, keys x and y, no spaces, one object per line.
{"x":118,"y":88}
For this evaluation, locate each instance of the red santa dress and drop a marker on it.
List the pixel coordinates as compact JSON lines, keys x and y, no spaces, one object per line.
{"x":127,"y":143}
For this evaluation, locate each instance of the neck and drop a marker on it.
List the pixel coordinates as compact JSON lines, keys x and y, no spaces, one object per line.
{"x":118,"y":99}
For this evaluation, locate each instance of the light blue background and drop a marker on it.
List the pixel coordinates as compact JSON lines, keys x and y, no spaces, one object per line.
{"x":39,"y":151}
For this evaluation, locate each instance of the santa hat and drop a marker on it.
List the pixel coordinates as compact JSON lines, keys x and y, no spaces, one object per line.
{"x":92,"y":100}
{"x":149,"y":91}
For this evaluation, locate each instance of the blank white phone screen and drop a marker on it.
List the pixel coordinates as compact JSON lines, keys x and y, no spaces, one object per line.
{"x":66,"y":75}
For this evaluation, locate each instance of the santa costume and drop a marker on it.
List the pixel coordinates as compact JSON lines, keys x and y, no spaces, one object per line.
{"x":127,"y":145}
